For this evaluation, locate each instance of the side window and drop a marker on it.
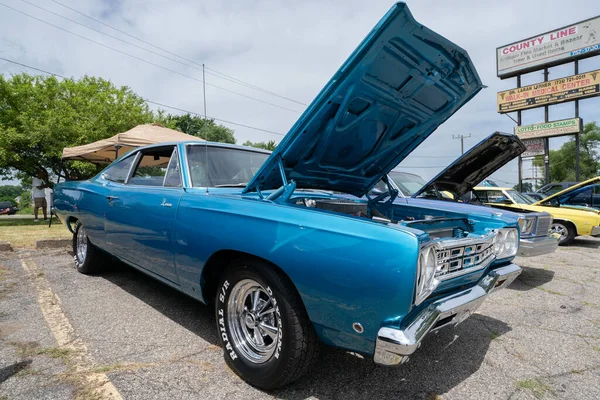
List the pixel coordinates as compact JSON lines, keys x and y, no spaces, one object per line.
{"x":596,"y":196}
{"x":578,"y":198}
{"x":119,"y":171}
{"x":173,"y":177}
{"x":482,"y":195}
{"x":152,"y":167}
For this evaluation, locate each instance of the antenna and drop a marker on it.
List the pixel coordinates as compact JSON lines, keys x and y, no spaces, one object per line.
{"x":203,"y":129}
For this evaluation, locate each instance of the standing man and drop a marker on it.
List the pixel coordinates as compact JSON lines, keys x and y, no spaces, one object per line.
{"x":39,"y":194}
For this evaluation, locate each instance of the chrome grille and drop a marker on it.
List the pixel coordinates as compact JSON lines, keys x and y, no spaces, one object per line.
{"x":462,"y":256}
{"x":543,"y":225}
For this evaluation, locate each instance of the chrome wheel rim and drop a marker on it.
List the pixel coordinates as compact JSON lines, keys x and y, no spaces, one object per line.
{"x":561,"y":230}
{"x":252,"y":319}
{"x":81,"y":244}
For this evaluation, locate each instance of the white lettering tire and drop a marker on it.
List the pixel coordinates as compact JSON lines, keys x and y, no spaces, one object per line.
{"x":262,"y":325}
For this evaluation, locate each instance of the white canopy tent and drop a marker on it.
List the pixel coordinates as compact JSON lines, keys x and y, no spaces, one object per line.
{"x":106,"y":151}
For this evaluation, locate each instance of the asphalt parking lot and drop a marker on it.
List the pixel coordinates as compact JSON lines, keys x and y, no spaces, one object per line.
{"x":120,"y":334}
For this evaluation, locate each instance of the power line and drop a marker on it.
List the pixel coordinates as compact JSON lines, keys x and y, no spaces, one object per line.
{"x":153,"y":102}
{"x":146,"y":61}
{"x":214,"y":72}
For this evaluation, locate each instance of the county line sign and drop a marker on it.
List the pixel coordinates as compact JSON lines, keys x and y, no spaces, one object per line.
{"x":572,"y":42}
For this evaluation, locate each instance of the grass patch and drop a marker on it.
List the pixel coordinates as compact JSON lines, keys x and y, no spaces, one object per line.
{"x":596,"y":348}
{"x":585,"y":303}
{"x":551,"y":291}
{"x":108,"y":368}
{"x":493,"y":335}
{"x":25,"y":236}
{"x":27,"y":222}
{"x":535,"y":386}
{"x":56,"y":352}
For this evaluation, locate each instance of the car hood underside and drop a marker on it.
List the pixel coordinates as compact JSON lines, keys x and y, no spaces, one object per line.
{"x":396,"y":88}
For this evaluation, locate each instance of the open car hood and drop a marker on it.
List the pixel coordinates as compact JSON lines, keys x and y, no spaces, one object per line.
{"x":568,"y":190}
{"x":394,"y":90}
{"x":475,"y":165}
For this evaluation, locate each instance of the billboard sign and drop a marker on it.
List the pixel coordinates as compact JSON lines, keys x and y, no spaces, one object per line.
{"x":547,"y":129}
{"x":573,"y":42}
{"x":535,"y":147}
{"x":552,"y":92}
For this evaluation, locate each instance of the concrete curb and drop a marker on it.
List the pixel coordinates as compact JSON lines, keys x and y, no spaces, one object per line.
{"x":52,"y":243}
{"x":5,"y":246}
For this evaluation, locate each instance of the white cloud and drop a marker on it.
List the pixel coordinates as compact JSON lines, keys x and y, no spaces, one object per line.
{"x":291,"y":48}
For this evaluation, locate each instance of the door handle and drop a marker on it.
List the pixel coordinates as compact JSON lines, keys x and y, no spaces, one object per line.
{"x":165,"y":204}
{"x":111,"y":198}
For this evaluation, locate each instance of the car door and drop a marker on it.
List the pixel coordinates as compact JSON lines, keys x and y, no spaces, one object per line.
{"x":140,"y":219}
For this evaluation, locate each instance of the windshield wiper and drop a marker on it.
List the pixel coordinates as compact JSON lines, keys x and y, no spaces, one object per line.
{"x":241,"y":184}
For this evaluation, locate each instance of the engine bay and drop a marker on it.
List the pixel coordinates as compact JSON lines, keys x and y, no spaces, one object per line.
{"x":437,"y":226}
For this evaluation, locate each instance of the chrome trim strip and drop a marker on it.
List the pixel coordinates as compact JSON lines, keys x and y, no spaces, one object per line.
{"x":394,"y":345}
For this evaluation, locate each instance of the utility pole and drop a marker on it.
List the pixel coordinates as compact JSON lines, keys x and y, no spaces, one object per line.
{"x":462,"y":141}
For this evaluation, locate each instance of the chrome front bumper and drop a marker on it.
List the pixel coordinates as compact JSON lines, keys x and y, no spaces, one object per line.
{"x":537,"y":246}
{"x":595,"y":231}
{"x":394,"y":346}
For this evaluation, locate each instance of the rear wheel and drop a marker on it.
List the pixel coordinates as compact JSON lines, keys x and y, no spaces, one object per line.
{"x":264,"y":329}
{"x":88,"y":258}
{"x":565,"y":230}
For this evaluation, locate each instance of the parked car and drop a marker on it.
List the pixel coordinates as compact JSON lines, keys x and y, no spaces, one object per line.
{"x":583,"y":195}
{"x":8,"y":208}
{"x":534,"y":196}
{"x":568,"y":221}
{"x":555,"y":187}
{"x":287,"y":263}
{"x":456,"y":182}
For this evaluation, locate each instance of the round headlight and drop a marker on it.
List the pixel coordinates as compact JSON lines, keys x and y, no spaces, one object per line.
{"x":499,"y":243}
{"x":512,"y":243}
{"x":426,"y":282}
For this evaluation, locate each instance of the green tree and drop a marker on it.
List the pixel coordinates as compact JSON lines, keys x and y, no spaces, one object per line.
{"x":10,"y":191}
{"x":527,"y":187}
{"x":562,"y":161}
{"x":39,"y":116}
{"x":270,"y":145}
{"x":200,"y":127}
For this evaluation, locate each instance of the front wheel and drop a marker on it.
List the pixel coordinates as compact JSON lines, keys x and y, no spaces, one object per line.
{"x":88,"y":258}
{"x":565,"y":230}
{"x":264,"y":329}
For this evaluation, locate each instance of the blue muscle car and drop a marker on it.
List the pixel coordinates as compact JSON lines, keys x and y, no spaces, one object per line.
{"x":287,"y":263}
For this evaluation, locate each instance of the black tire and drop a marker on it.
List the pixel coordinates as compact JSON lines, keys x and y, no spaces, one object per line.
{"x":93,"y":260}
{"x":295,"y":346}
{"x":566,"y":230}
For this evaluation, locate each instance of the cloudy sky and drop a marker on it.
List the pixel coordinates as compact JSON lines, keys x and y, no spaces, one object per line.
{"x":290,"y":48}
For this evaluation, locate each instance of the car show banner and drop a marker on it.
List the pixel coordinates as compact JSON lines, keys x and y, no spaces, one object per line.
{"x":559,"y":46}
{"x":535,"y":147}
{"x":547,"y":129}
{"x":552,"y":92}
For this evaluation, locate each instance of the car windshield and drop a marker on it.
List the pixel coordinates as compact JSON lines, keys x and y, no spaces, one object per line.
{"x":214,"y":166}
{"x":519,"y":198}
{"x":409,"y":184}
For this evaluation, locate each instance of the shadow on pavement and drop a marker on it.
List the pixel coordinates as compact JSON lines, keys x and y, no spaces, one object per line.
{"x":178,"y":307}
{"x":445,"y":359}
{"x":592,"y":243}
{"x":531,"y":278}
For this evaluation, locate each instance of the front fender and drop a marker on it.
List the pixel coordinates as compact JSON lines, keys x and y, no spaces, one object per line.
{"x":346,"y":269}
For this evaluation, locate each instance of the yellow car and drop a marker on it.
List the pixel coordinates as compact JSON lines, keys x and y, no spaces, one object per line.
{"x":569,"y":221}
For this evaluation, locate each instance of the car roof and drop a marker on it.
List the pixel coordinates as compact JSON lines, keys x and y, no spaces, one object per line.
{"x":491,"y":188}
{"x":202,"y":143}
